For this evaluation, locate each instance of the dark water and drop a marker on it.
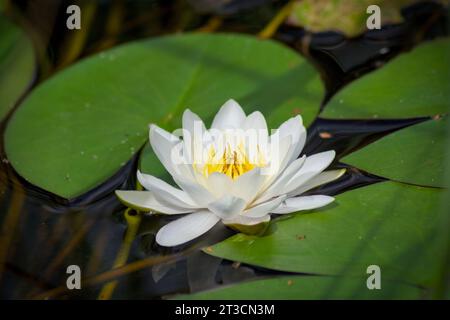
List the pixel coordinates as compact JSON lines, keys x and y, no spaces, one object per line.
{"x":42,"y":234}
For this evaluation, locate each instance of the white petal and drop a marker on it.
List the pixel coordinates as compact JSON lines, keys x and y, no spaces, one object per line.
{"x":277,"y":186}
{"x":186,"y":171}
{"x":145,"y":201}
{"x":291,"y":126}
{"x":303,"y":203}
{"x":256,"y":137}
{"x":219,"y":184}
{"x":227,"y":206}
{"x":163,"y":133}
{"x":287,"y":143}
{"x":294,"y":128}
{"x":263,"y":208}
{"x":298,"y":145}
{"x":313,"y":165}
{"x":322,"y":178}
{"x":277,"y":161}
{"x":240,"y":219}
{"x":196,"y":191}
{"x":165,"y":193}
{"x":298,"y":180}
{"x":247,"y":185}
{"x":256,"y":121}
{"x":194,"y":136}
{"x":186,"y":228}
{"x":319,"y":161}
{"x":191,"y":121}
{"x":163,"y":144}
{"x":229,"y":116}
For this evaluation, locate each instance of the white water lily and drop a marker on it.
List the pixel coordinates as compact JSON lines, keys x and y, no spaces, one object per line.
{"x":234,"y":180}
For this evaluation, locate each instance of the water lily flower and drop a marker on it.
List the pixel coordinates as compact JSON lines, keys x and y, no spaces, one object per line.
{"x":226,"y":174}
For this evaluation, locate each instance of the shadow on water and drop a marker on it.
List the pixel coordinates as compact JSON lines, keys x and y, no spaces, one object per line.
{"x":42,"y":234}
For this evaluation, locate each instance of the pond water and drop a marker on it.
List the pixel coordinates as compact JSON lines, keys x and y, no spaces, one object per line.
{"x":41,"y":234}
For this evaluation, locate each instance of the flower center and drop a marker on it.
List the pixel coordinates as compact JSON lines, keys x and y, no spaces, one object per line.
{"x":232,"y":161}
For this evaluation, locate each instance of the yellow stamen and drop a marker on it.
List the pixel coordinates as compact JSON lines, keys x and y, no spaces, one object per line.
{"x":231,"y":162}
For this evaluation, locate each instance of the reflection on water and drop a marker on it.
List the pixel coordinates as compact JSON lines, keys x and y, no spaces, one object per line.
{"x":42,"y":234}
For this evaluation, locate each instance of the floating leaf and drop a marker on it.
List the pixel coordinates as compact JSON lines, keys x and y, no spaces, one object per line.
{"x":443,"y":290}
{"x":17,"y":65}
{"x":415,"y":84}
{"x":413,"y":155}
{"x":77,"y":129}
{"x":388,"y":224}
{"x":326,"y":15}
{"x":308,"y":287}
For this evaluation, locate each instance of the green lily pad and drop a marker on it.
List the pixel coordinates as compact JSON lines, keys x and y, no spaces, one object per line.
{"x":392,"y":225}
{"x":76,"y":130}
{"x":307,"y":288}
{"x":414,"y":84}
{"x":17,"y":65}
{"x":326,"y":15}
{"x":413,"y":155}
{"x":443,"y":290}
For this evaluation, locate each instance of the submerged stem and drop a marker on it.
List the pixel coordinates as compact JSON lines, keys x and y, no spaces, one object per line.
{"x":133,"y":221}
{"x":270,"y":29}
{"x":118,"y":272}
{"x":211,"y":25}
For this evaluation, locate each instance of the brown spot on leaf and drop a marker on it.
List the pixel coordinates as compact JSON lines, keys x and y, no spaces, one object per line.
{"x":325,"y":135}
{"x":301,"y":237}
{"x":296,"y":111}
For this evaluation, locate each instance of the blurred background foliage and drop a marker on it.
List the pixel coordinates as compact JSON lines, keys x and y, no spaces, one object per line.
{"x":347,"y":16}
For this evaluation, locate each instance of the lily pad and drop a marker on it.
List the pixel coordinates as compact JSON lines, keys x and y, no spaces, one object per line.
{"x":326,"y":15}
{"x":443,"y":290}
{"x":76,"y":130}
{"x":413,"y":155}
{"x":308,"y":287}
{"x":389,"y":224}
{"x":17,"y":64}
{"x":415,"y":84}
